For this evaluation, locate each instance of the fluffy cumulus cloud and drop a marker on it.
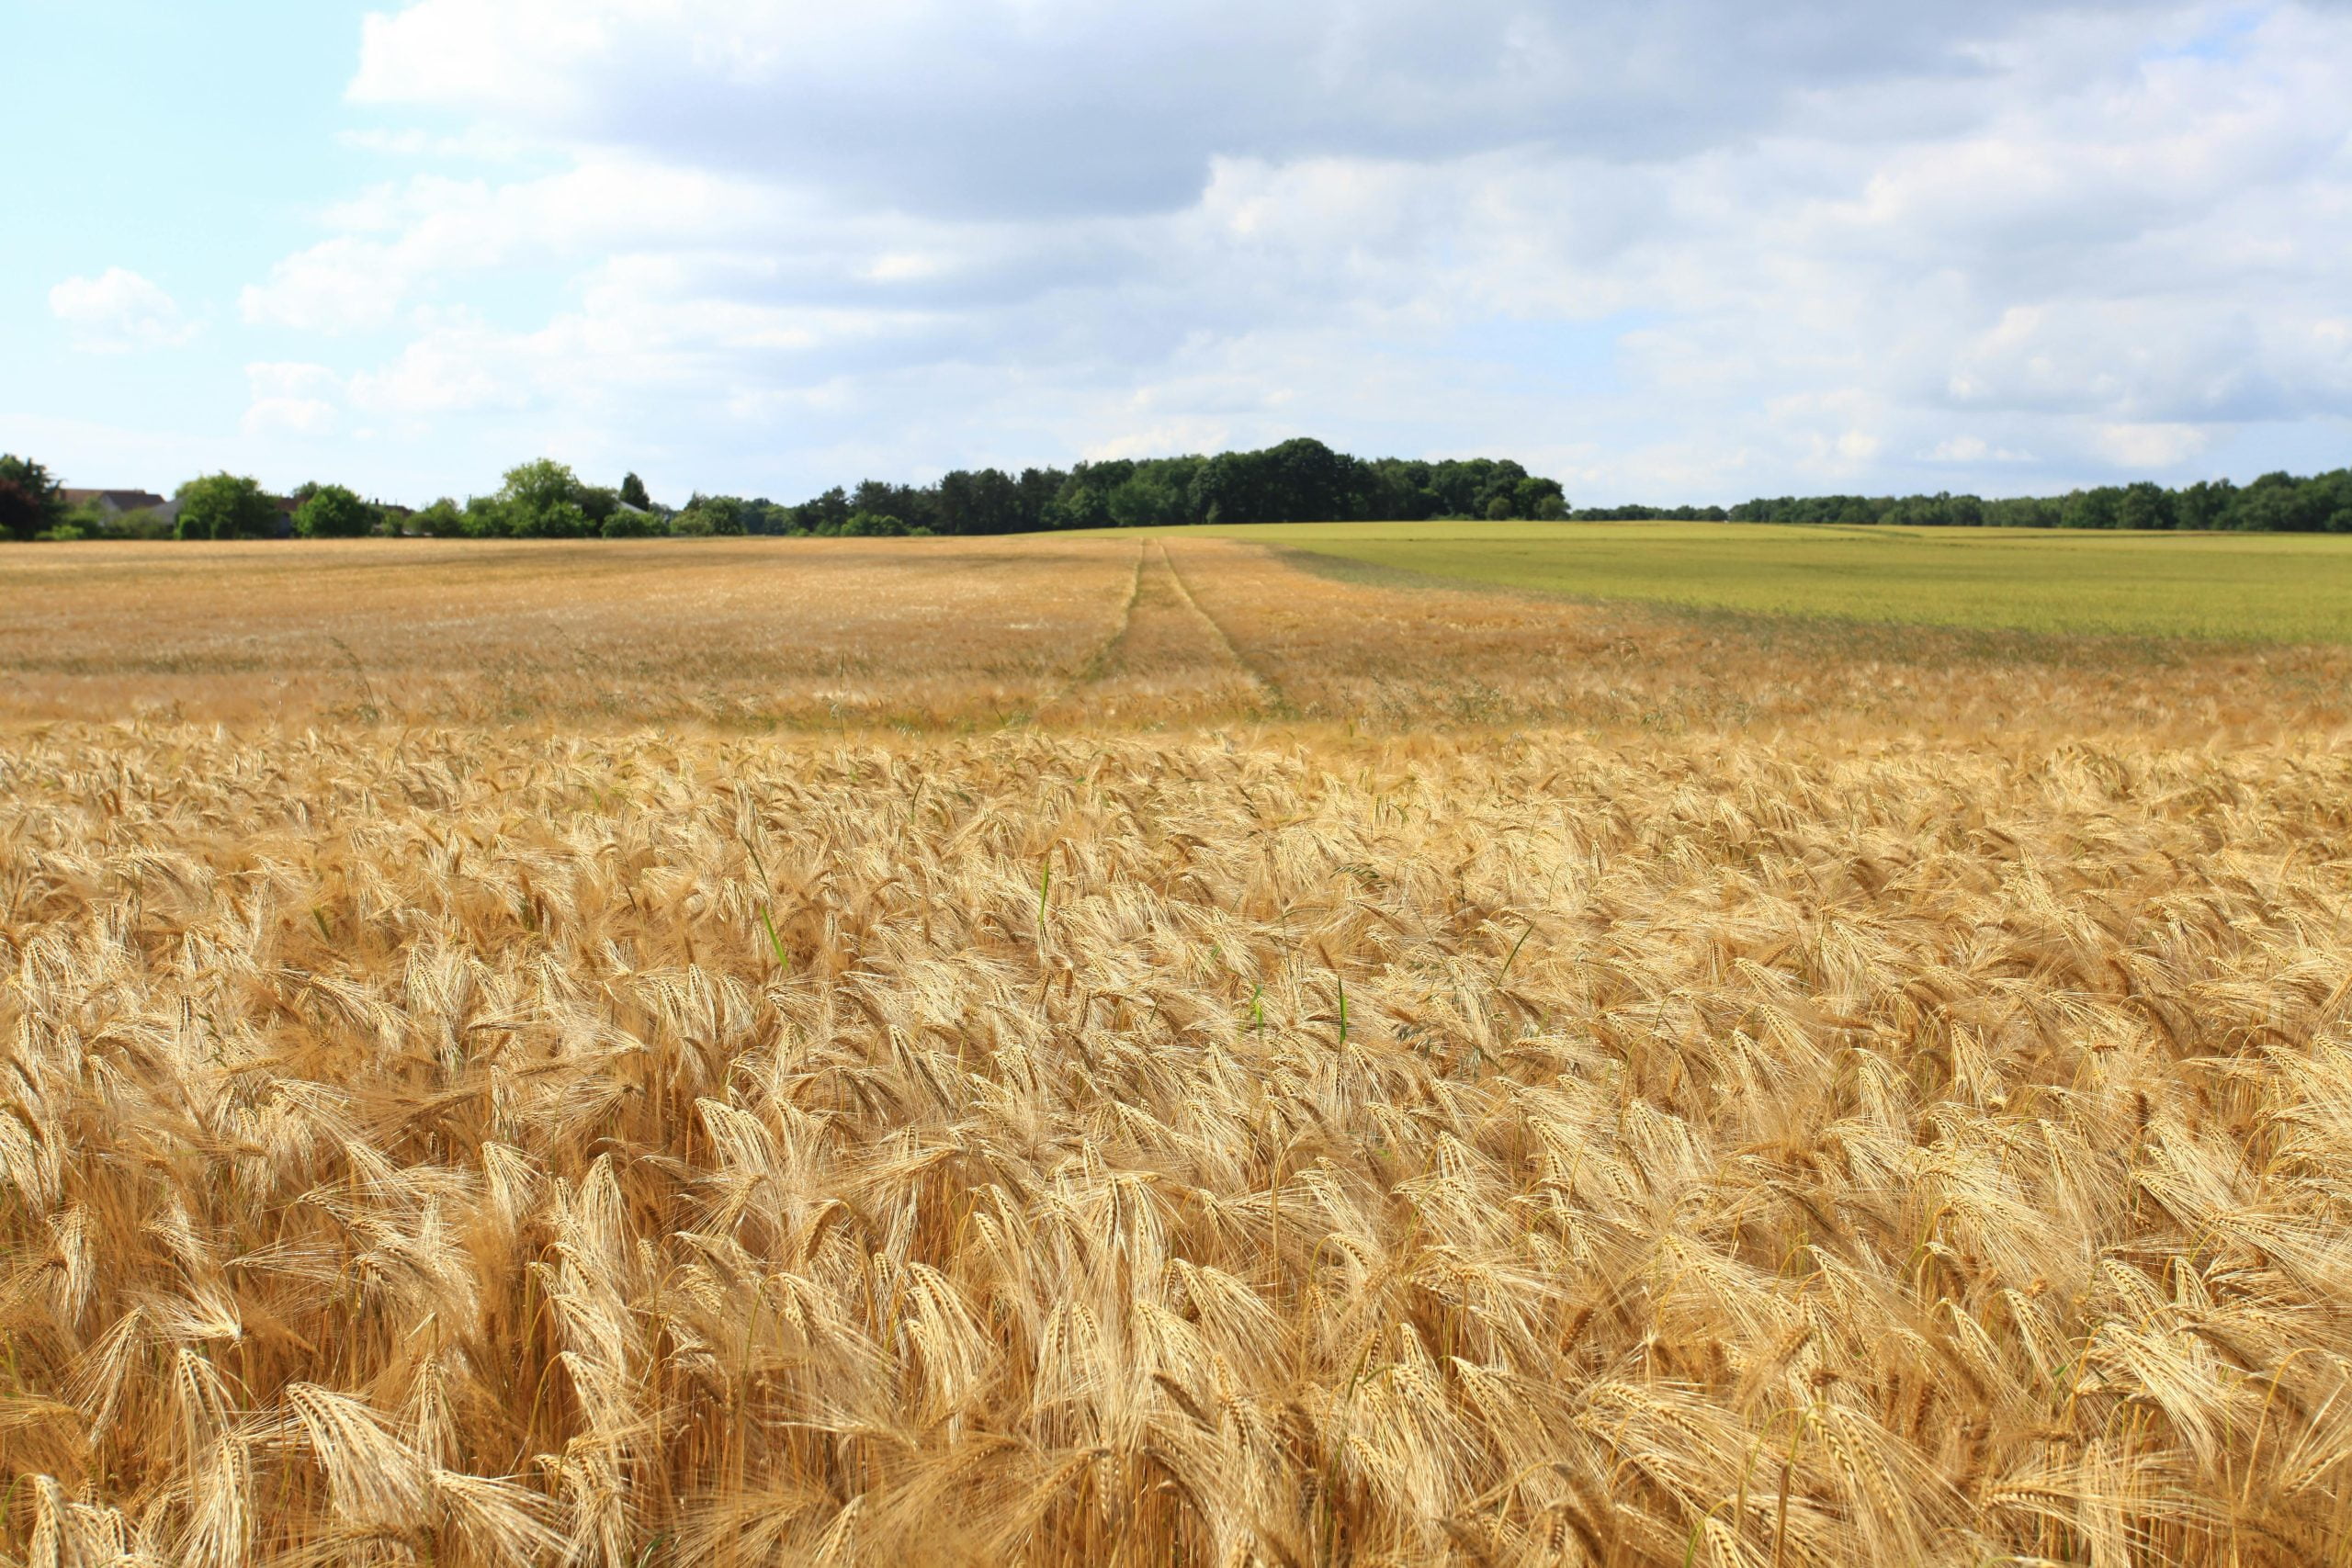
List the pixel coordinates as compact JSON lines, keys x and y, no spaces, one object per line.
{"x":1683,"y":248}
{"x":291,"y":399}
{"x":117,"y":312}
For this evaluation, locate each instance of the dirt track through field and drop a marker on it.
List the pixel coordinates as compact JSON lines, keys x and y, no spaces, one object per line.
{"x":1270,"y":693}
{"x":1169,"y":659}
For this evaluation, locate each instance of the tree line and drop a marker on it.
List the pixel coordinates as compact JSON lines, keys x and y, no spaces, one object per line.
{"x":1298,"y":480}
{"x":1301,"y":480}
{"x":2275,"y":503}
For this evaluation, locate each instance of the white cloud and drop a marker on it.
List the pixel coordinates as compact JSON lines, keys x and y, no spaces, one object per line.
{"x":458,"y":366}
{"x":339,"y":285}
{"x":1697,"y":243}
{"x":1972,"y":449}
{"x":291,"y":399}
{"x":402,"y":241}
{"x":2150,"y":445}
{"x":119,"y":310}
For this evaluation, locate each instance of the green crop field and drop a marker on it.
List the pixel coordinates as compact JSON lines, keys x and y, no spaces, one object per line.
{"x":2279,"y":588}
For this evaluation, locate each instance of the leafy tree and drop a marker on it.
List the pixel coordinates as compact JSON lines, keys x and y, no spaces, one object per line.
{"x":717,"y":514}
{"x":331,"y":512}
{"x":2145,"y":505}
{"x":827,"y":513}
{"x":988,"y":501}
{"x":2024,"y":512}
{"x":2281,"y":503}
{"x":1535,"y":497}
{"x":29,"y":498}
{"x":2332,"y":495}
{"x":1154,"y":495}
{"x":2093,"y":508}
{"x":2205,"y":504}
{"x":1299,"y":480}
{"x":442,"y":520}
{"x":485,"y":517}
{"x":146,"y":524}
{"x":541,"y":501}
{"x":910,"y":503}
{"x":627,"y":525}
{"x":83,"y":521}
{"x":872,"y":526}
{"x":1036,"y":490}
{"x":565,"y":520}
{"x":1080,"y":505}
{"x":1822,"y":509}
{"x":598,"y":504}
{"x":633,"y":492}
{"x":539,"y":484}
{"x":226,"y":506}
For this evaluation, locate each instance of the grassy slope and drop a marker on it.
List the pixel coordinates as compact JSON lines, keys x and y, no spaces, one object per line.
{"x":2262,"y":588}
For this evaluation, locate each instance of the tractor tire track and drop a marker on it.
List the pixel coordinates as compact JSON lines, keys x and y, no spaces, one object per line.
{"x":1168,"y":660}
{"x":1091,"y":671}
{"x":1276,"y":705}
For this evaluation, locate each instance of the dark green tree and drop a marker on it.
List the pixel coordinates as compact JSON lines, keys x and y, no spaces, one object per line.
{"x":1537,"y":497}
{"x":226,"y":506}
{"x":633,"y":492}
{"x":725,"y":513}
{"x":2093,"y":508}
{"x":986,"y":500}
{"x":442,"y":520}
{"x":598,"y":504}
{"x":485,"y":517}
{"x":826,"y":513}
{"x":29,"y":499}
{"x":910,"y":503}
{"x":1080,"y":505}
{"x":2281,"y":503}
{"x":2332,"y":495}
{"x":2145,"y":506}
{"x":1036,"y":488}
{"x":331,"y":512}
{"x":2205,"y":504}
{"x":1300,"y":480}
{"x":1157,"y":495}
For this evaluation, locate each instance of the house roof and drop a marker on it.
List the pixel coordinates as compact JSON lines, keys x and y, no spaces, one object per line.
{"x":120,"y":500}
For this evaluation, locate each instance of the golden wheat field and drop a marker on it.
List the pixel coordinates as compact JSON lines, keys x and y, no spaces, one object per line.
{"x":1151,"y":1053}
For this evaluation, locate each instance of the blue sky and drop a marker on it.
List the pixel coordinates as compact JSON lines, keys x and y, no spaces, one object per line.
{"x":191,"y":146}
{"x":1673,"y":250}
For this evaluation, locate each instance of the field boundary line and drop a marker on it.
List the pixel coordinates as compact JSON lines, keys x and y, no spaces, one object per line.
{"x":1276,"y":702}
